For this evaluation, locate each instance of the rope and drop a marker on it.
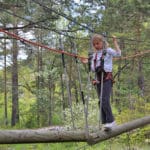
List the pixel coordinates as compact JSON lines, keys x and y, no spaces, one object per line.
{"x":31,"y":23}
{"x":85,"y":103}
{"x":67,"y":85}
{"x":64,"y":52}
{"x":133,"y":56}
{"x":62,"y":15}
{"x":40,"y":45}
{"x":102,"y":86}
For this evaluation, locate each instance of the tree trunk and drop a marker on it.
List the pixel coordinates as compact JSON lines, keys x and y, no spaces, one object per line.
{"x":140,"y":60}
{"x":39,"y":82}
{"x":50,"y":101}
{"x":15,"y":105}
{"x":47,"y":135}
{"x":5,"y":84}
{"x":140,"y":76}
{"x":101,"y":136}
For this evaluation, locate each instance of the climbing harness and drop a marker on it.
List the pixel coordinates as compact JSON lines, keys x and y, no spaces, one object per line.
{"x":104,"y":76}
{"x":100,"y":74}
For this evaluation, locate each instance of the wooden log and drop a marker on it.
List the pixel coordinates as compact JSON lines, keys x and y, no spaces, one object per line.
{"x":59,"y":134}
{"x":117,"y":130}
{"x":43,"y":135}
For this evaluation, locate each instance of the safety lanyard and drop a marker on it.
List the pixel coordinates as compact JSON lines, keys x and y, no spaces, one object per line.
{"x":95,"y":60}
{"x":101,"y":59}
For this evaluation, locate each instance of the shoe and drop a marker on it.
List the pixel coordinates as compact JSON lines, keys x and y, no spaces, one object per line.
{"x":110,"y":125}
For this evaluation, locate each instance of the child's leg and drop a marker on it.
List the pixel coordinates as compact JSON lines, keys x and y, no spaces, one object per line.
{"x":106,"y":107}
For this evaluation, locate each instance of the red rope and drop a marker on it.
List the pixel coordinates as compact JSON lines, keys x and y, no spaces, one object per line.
{"x":62,"y":51}
{"x":133,"y":56}
{"x":41,"y":45}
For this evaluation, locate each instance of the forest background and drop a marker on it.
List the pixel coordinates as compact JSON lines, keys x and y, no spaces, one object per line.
{"x":33,"y":83}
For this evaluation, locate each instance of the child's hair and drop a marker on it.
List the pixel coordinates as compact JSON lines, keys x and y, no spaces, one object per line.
{"x":100,"y":38}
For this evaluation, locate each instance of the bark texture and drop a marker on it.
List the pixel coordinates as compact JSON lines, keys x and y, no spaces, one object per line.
{"x":60,"y":134}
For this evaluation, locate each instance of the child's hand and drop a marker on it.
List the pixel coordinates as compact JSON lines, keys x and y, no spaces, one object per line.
{"x":115,"y":43}
{"x":94,"y":82}
{"x":84,"y":60}
{"x":114,"y":38}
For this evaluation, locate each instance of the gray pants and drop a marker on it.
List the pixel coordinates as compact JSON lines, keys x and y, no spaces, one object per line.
{"x":106,"y":112}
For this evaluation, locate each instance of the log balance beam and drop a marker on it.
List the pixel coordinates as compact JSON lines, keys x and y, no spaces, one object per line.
{"x":48,"y":135}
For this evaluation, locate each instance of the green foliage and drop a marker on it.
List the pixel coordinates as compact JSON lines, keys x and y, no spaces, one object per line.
{"x":57,"y":120}
{"x":40,"y":86}
{"x":79,"y":114}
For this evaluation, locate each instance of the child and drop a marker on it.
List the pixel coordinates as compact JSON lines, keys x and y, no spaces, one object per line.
{"x":103,"y":52}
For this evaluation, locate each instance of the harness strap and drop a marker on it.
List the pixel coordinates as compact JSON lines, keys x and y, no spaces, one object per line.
{"x":101,"y":59}
{"x":107,"y":76}
{"x":95,"y":60}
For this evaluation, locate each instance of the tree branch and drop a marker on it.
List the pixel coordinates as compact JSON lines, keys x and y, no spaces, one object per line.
{"x":60,"y":134}
{"x":120,"y":129}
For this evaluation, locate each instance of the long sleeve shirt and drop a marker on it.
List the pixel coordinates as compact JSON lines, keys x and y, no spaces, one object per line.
{"x":108,"y":63}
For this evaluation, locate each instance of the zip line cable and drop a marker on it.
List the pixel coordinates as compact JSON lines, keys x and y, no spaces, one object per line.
{"x":31,"y":23}
{"x":34,"y":24}
{"x":64,"y":52}
{"x":28,"y":20}
{"x":63,"y":15}
{"x":73,"y":20}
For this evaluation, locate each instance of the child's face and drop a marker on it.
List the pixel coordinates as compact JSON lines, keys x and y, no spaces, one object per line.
{"x":98,"y":44}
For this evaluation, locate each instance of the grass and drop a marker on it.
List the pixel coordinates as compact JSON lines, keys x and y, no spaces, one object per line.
{"x":108,"y":145}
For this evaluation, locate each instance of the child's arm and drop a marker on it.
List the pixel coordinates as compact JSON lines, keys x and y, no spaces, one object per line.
{"x":117,"y":48}
{"x":84,"y":60}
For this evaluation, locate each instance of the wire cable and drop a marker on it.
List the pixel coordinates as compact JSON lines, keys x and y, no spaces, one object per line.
{"x":64,"y":52}
{"x":34,"y":24}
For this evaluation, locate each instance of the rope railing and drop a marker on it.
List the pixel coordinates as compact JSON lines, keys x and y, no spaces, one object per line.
{"x":40,"y":45}
{"x":64,"y":52}
{"x":86,"y":134}
{"x":135,"y":55}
